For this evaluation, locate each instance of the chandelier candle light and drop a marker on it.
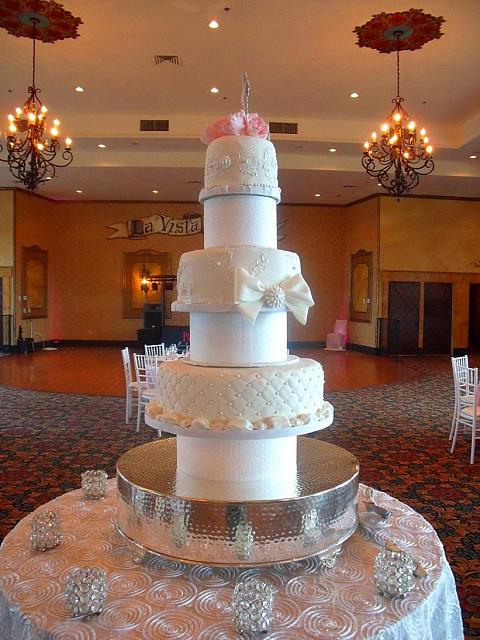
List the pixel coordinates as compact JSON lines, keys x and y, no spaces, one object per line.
{"x":32,"y":145}
{"x":399,"y":155}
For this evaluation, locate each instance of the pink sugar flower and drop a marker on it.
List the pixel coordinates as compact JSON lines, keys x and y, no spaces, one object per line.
{"x":236,"y":124}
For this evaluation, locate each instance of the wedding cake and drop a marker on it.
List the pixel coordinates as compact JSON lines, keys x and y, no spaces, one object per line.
{"x":239,"y":381}
{"x":238,"y":486}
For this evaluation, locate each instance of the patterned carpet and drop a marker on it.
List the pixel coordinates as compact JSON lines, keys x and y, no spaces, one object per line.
{"x":399,"y":433}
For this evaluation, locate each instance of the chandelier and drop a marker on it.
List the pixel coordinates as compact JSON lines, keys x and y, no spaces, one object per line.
{"x":33,"y":148}
{"x":400,"y":155}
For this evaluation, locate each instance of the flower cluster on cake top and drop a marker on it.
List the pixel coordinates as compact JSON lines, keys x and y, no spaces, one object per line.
{"x":236,"y":124}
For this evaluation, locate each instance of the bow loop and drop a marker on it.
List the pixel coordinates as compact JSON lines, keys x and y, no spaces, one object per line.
{"x":251,"y":294}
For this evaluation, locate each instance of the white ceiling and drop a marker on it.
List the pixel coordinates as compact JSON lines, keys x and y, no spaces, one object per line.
{"x":302,"y":63}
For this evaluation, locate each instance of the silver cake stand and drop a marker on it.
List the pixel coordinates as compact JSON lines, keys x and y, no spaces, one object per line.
{"x":158,"y":513}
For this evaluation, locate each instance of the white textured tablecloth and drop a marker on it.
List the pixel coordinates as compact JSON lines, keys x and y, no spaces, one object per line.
{"x":170,"y":600}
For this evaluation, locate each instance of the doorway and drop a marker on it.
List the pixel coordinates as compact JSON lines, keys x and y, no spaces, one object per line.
{"x":404,"y":308}
{"x":437,"y":320}
{"x":474,"y":319}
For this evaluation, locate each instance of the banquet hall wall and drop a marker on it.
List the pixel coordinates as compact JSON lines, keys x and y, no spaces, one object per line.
{"x":415,"y":239}
{"x":86,"y":267}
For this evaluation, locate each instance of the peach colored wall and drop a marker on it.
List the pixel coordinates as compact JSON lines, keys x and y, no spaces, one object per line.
{"x":433,"y":240}
{"x":317,"y":234}
{"x":362,"y":233}
{"x":7,"y":257}
{"x":419,"y":234}
{"x":6,"y":228}
{"x":86,"y":268}
{"x":33,"y":226}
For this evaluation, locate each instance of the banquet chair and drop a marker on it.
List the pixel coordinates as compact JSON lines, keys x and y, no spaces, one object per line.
{"x":459,"y":365}
{"x":469,"y":414}
{"x":336,"y":340}
{"x":146,"y":367}
{"x":130,"y":385}
{"x":155,"y":349}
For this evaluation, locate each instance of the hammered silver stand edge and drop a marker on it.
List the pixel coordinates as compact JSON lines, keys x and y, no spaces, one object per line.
{"x":315,"y":521}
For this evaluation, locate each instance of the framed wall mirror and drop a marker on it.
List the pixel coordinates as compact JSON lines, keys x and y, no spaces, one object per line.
{"x":134,"y":296}
{"x":34,"y":282}
{"x":361,"y":286}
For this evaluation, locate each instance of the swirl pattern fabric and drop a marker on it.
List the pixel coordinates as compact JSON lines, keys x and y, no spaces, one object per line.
{"x":164,"y":599}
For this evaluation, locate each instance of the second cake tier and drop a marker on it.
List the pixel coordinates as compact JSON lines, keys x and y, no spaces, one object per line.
{"x":229,"y":399}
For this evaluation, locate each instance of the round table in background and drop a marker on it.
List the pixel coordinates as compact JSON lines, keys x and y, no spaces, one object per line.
{"x":161,"y":599}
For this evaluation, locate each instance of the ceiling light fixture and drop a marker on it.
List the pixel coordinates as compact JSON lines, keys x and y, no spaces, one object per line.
{"x":79,"y":89}
{"x":317,"y":195}
{"x":213,"y":24}
{"x":399,"y":156}
{"x":332,"y":150}
{"x":354,"y":95}
{"x":102,"y":146}
{"x":214,"y":90}
{"x":154,"y":191}
{"x":472,"y":157}
{"x":78,"y":191}
{"x":31,"y":151}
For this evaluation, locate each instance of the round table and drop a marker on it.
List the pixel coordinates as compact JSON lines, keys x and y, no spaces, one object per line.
{"x":160,"y":599}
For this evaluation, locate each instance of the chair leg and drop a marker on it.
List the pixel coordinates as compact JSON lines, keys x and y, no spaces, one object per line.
{"x":454,"y":419}
{"x":128,"y":408}
{"x":455,"y":433}
{"x":139,"y":413}
{"x":472,"y":448}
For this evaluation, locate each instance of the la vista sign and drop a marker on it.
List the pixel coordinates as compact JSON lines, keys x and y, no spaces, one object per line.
{"x":189,"y":225}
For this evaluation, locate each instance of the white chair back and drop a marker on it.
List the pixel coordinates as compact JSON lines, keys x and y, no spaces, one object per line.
{"x":469,"y":411}
{"x":155,"y":349}
{"x":146,"y":367}
{"x":127,"y":369}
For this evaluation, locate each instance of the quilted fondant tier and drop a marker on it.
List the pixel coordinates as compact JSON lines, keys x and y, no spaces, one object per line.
{"x":241,"y":164}
{"x":207,"y":276}
{"x":232,"y":398}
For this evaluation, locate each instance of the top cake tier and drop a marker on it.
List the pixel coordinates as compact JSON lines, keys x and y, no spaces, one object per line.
{"x":240,"y":165}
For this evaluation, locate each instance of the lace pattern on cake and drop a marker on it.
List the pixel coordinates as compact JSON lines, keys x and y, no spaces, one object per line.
{"x":270,"y":166}
{"x":259,"y":265}
{"x":221,"y":260}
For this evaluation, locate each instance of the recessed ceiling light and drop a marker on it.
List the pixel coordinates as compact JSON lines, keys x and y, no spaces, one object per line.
{"x":317,"y":195}
{"x":214,"y":90}
{"x":79,"y":89}
{"x":472,"y":157}
{"x":102,"y":146}
{"x":213,"y":24}
{"x":379,"y":184}
{"x":332,"y":150}
{"x":354,"y":94}
{"x":155,"y":191}
{"x":79,"y":191}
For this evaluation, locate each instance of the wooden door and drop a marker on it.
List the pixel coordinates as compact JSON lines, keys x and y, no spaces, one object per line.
{"x":404,"y":312}
{"x":474,"y":319}
{"x":437,"y":323}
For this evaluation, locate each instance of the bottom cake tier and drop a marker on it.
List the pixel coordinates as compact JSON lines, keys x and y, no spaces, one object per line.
{"x":156,"y":509}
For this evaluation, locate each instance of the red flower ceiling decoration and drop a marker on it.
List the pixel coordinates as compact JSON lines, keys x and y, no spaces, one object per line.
{"x":53,"y":21}
{"x":415,"y":27}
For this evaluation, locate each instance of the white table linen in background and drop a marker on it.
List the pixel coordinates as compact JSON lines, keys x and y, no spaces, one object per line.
{"x":162,"y":599}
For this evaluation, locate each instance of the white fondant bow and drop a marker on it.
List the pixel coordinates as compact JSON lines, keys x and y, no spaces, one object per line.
{"x":293,"y":292}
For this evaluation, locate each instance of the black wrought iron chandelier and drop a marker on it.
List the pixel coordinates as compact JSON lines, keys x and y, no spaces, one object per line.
{"x":399,"y":156}
{"x":33,"y":150}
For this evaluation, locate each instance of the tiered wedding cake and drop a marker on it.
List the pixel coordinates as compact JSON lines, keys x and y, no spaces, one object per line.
{"x":239,"y":379}
{"x":235,"y":483}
